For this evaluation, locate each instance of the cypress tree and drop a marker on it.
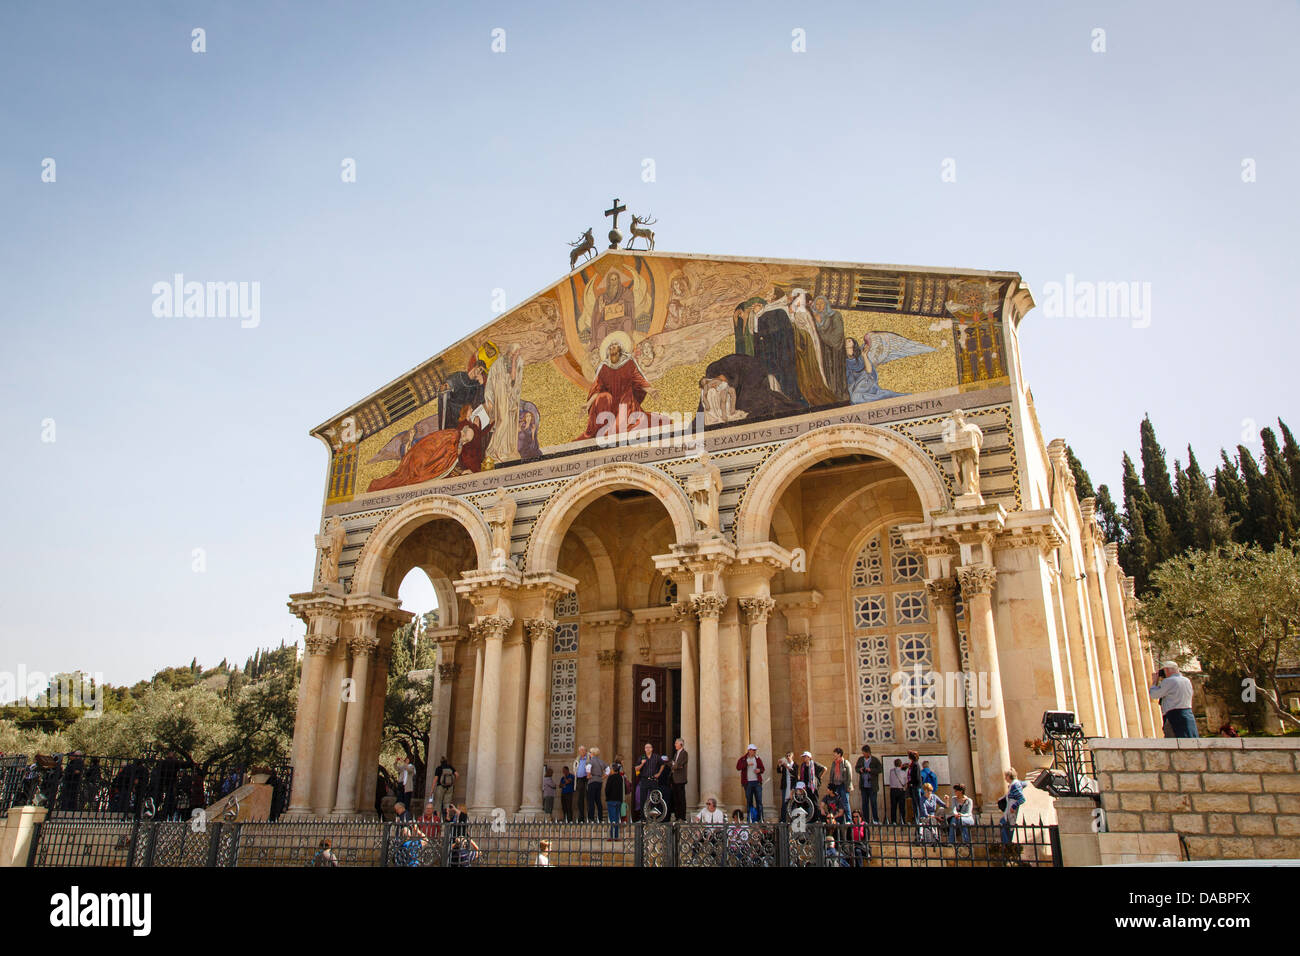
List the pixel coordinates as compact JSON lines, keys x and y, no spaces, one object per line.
{"x":1205,"y":514}
{"x":1136,"y":551}
{"x":1155,"y":479}
{"x":1182,"y":523}
{"x":1082,"y":483}
{"x":1232,"y":490}
{"x":1291,"y":455}
{"x":1277,"y":485}
{"x":1108,"y":515}
{"x":1258,"y":501}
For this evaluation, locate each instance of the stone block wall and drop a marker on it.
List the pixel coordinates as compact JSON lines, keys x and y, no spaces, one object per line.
{"x":1228,"y":798}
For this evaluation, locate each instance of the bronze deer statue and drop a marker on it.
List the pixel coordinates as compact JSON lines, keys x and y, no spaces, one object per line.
{"x":640,"y":232}
{"x":586,"y":243}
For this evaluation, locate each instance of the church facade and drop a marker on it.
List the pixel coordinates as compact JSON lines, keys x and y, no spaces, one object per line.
{"x":805,"y":505}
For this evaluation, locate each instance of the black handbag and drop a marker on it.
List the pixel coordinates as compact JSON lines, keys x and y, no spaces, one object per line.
{"x":1002,"y":803}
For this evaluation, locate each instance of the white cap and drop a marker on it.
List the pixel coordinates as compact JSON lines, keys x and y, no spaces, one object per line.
{"x":751,"y":747}
{"x":807,"y":753}
{"x":800,"y":786}
{"x":1170,"y":665}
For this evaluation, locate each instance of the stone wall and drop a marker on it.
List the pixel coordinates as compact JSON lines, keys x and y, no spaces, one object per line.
{"x":1228,"y":798}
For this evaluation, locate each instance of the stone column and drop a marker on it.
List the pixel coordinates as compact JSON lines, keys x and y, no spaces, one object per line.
{"x":708,"y":606}
{"x":991,"y":733}
{"x":607,"y":723}
{"x":512,"y":722}
{"x":1077,"y":620}
{"x":690,"y":696}
{"x":362,"y":645}
{"x":801,"y":722}
{"x":329,"y":745}
{"x":735,"y":712}
{"x":444,"y":680}
{"x":757,"y":610}
{"x":1111,"y":687}
{"x":322,"y":633}
{"x":541,"y":633}
{"x":374,"y":723}
{"x":476,"y":708}
{"x":604,"y":627}
{"x":1141,"y":674}
{"x":1107,"y":664}
{"x":952,"y":710}
{"x":1130,"y":681}
{"x":493,"y":630}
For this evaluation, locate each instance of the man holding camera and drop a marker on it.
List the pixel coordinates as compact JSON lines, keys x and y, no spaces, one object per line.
{"x":1174,"y":691}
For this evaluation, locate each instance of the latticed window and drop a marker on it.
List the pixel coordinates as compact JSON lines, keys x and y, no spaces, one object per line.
{"x":893,"y":634}
{"x":564,"y":675}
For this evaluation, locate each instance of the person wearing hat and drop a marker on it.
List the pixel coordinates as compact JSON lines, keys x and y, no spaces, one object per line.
{"x":751,"y":770}
{"x":1174,"y":691}
{"x":810,"y":774}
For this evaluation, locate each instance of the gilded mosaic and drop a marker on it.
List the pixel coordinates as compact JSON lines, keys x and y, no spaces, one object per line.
{"x":637,"y":342}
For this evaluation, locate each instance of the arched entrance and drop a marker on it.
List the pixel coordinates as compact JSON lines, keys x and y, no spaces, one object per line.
{"x":338,"y":733}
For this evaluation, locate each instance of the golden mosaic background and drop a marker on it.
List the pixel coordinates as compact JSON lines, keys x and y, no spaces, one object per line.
{"x":690,"y":324}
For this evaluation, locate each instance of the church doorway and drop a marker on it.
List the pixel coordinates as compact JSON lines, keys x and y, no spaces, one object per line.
{"x":656,"y":707}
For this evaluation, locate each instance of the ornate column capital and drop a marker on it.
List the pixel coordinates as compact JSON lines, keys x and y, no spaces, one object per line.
{"x":977,"y":579}
{"x":798,"y":643}
{"x":943,"y":591}
{"x":491,"y":627}
{"x":320,"y":644}
{"x":448,"y":672}
{"x":708,"y":605}
{"x":608,"y":658}
{"x":312,"y":607}
{"x":539,"y":629}
{"x":363,"y":645}
{"x":757,"y":609}
{"x":683,"y":610}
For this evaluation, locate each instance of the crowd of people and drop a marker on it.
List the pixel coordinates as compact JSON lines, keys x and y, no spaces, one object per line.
{"x":618,"y":792}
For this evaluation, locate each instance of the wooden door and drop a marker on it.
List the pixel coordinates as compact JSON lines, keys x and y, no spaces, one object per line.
{"x":649,"y":709}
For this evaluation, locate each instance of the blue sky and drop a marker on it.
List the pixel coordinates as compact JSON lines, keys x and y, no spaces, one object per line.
{"x":475,"y":168}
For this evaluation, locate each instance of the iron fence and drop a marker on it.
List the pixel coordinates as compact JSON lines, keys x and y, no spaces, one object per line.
{"x":131,"y":788}
{"x":150,"y":843}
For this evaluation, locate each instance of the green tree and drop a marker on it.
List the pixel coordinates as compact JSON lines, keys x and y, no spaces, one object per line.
{"x":1204,"y":519}
{"x":1082,"y":483}
{"x":408,"y":703}
{"x":1108,"y":515}
{"x":1279,"y":490}
{"x":1237,"y":609}
{"x":1228,"y":485}
{"x":1155,"y":479}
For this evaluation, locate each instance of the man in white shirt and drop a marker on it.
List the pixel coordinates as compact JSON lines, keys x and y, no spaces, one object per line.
{"x":580,"y":771}
{"x":1174,"y":691}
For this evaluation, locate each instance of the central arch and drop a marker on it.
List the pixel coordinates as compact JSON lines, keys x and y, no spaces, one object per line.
{"x":754,"y":517}
{"x":559,"y":512}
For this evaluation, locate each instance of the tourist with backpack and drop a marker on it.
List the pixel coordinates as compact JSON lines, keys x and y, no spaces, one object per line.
{"x":444,"y":776}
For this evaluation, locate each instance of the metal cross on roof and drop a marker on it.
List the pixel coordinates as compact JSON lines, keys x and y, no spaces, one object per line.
{"x":615,"y":237}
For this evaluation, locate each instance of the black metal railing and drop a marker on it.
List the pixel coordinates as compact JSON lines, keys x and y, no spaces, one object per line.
{"x":291,"y":843}
{"x":1072,"y":773}
{"x":132,"y":788}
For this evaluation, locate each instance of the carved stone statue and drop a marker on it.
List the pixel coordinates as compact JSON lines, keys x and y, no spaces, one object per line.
{"x":704,"y":485}
{"x":501,"y":519}
{"x":330,"y":544}
{"x":963,"y":439}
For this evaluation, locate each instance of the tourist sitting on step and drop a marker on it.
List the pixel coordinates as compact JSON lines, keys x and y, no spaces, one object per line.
{"x":961,"y":815}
